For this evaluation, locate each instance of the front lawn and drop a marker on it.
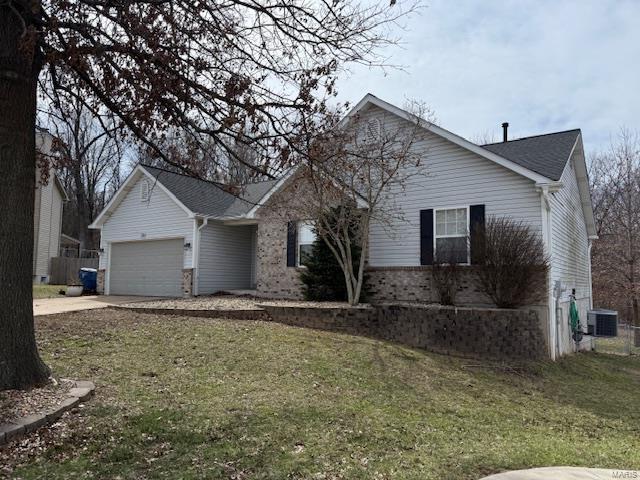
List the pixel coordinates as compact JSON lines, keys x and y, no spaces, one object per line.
{"x":43,"y":290}
{"x":194,"y":398}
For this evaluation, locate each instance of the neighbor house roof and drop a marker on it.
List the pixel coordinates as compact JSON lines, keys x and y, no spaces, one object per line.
{"x":207,"y":198}
{"x":544,"y":154}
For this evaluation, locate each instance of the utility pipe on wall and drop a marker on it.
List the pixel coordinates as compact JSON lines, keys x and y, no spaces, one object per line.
{"x":196,"y":256}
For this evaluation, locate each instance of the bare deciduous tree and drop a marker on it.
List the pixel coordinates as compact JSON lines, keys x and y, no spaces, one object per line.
{"x":88,"y":158}
{"x":234,"y":71}
{"x":351,"y":172}
{"x":615,"y":189}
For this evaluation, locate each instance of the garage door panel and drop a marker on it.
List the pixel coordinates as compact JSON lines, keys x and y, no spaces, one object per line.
{"x":152,"y":268}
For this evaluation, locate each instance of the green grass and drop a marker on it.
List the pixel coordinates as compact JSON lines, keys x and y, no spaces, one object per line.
{"x":195,"y":398}
{"x":623,"y":344}
{"x":43,"y":290}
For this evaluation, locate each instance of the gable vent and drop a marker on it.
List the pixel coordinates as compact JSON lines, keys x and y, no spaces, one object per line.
{"x":373,"y":130}
{"x":144,"y":191}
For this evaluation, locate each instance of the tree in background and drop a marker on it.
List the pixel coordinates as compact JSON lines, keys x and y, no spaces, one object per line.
{"x":204,"y":159}
{"x":322,"y":276}
{"x":235,"y":71}
{"x":89,"y":155}
{"x":615,"y":189}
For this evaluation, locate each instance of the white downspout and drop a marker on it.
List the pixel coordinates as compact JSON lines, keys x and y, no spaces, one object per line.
{"x":551,"y":298}
{"x":196,"y":253}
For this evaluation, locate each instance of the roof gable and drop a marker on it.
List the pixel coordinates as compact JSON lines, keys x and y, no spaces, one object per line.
{"x":370,"y":99}
{"x":195,"y":196}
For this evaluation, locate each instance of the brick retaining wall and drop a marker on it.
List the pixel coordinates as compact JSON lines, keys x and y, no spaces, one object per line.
{"x":468,"y":332}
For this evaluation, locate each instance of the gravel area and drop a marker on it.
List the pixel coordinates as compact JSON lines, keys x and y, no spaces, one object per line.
{"x":230,"y":302}
{"x":20,"y":403}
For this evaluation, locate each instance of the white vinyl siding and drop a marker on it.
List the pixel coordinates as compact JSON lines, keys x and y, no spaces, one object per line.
{"x":158,"y":218}
{"x":453,"y":177}
{"x":569,"y":239}
{"x":225,"y":258}
{"x":151,"y":268}
{"x":48,"y":215}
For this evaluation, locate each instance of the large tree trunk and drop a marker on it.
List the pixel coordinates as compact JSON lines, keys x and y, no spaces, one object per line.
{"x":20,"y":364}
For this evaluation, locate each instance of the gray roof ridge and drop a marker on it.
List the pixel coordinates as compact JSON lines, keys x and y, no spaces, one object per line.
{"x":213,"y":182}
{"x":533,"y":136}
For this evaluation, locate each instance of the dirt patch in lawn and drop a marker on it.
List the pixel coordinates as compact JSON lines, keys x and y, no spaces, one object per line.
{"x":20,"y":403}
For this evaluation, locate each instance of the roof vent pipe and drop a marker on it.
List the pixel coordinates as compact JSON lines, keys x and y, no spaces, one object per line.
{"x":505,"y":127}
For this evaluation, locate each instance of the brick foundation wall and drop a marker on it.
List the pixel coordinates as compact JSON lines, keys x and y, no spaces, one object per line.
{"x":469,"y":332}
{"x":100,"y":281}
{"x":187,"y":282}
{"x":415,"y":284}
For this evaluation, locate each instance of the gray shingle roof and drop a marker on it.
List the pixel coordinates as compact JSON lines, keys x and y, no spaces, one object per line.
{"x":210,"y":198}
{"x":543,"y":154}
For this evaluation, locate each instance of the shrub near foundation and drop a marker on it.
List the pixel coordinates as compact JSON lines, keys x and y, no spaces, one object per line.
{"x":513,"y":264}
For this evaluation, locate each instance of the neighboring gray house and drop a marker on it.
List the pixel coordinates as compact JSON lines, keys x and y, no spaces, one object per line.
{"x":47,"y":215}
{"x":166,"y":234}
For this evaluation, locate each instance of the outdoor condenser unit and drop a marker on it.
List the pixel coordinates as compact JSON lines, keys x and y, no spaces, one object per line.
{"x":602,"y":323}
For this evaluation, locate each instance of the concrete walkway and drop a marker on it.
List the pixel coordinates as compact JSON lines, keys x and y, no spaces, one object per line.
{"x":565,"y":473}
{"x":50,"y":306}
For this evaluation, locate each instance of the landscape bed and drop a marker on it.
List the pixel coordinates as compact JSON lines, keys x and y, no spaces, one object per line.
{"x":245,"y":399}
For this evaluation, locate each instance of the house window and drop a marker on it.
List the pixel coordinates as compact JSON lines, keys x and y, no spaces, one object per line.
{"x":144,"y":191}
{"x":451,"y":235}
{"x":306,"y":237}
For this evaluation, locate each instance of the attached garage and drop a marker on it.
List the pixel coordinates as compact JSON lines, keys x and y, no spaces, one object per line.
{"x":165,"y":234}
{"x":152,"y":268}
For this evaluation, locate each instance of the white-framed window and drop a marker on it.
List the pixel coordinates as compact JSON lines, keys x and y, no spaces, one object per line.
{"x":144,"y":191}
{"x":451,"y":235}
{"x":306,"y":237}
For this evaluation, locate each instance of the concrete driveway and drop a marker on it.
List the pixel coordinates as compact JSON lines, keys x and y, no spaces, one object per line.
{"x":565,"y":473}
{"x":50,"y":306}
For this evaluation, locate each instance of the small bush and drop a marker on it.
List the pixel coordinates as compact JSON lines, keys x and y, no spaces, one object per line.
{"x":446,"y":274}
{"x":513,"y":263}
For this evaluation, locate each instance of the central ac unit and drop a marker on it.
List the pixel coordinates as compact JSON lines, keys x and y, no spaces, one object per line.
{"x":602,"y":323}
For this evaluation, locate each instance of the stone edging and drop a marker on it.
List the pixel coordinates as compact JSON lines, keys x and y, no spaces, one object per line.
{"x":253,"y":314}
{"x":22,"y":426}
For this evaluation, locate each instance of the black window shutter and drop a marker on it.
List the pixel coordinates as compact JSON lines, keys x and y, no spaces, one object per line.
{"x":292,"y":235}
{"x":476,"y":226}
{"x":426,"y":237}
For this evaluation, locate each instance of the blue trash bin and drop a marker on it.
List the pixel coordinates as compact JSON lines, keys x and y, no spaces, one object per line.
{"x":89,"y":279}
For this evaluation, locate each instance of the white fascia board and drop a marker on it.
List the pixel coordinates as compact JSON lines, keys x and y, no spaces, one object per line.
{"x":63,"y":191}
{"x":582,"y":175}
{"x":446,"y":134}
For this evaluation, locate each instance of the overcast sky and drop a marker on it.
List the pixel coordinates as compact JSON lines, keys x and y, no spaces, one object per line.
{"x":543,"y":66}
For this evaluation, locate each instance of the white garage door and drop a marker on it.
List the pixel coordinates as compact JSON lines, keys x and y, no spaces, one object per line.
{"x":151,"y":268}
